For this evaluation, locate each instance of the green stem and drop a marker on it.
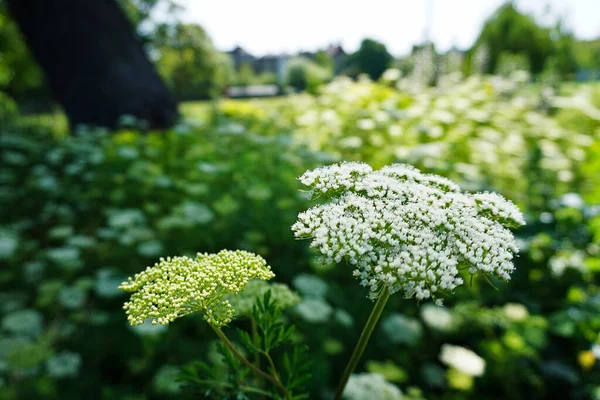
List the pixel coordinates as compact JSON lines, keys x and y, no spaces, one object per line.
{"x":255,"y":341}
{"x":256,"y":354}
{"x":248,"y":364}
{"x":271,"y":363}
{"x":363,"y":340}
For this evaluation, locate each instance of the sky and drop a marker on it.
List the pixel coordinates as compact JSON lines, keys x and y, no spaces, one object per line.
{"x":278,"y":26}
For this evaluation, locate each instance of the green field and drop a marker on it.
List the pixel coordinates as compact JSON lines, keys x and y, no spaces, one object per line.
{"x":82,"y":213}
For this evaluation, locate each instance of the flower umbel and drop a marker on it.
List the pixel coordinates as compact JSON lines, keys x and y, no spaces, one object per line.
{"x":177,"y":286}
{"x":405,"y":230}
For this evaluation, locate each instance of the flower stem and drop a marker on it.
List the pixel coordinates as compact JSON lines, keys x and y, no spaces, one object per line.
{"x":254,"y":329}
{"x":363,"y":340}
{"x":248,"y":364}
{"x":271,"y":363}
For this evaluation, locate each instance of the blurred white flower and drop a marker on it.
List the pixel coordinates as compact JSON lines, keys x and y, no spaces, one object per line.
{"x":400,"y":329}
{"x":596,"y":351}
{"x":314,"y":310}
{"x":443,"y":116}
{"x":26,"y":322}
{"x":546,"y":217}
{"x":65,"y":364}
{"x":366,"y":124}
{"x":310,"y":286}
{"x":344,"y":318}
{"x":462,"y":359}
{"x":107,"y":283}
{"x":572,"y":200}
{"x":391,"y":74}
{"x":370,"y":386}
{"x":351,"y":142}
{"x":515,"y":311}
{"x":565,"y":175}
{"x":72,"y":297}
{"x":330,"y":116}
{"x":437,"y":318}
{"x":559,"y":263}
{"x":395,"y":130}
{"x":9,"y":242}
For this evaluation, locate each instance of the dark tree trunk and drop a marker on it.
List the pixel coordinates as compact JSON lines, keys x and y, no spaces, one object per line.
{"x":96,"y":67}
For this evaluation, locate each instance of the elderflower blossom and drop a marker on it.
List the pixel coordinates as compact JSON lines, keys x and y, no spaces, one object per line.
{"x":177,"y":286}
{"x":405,"y":230}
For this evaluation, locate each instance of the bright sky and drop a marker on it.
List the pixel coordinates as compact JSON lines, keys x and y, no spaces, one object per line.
{"x":276,"y":26}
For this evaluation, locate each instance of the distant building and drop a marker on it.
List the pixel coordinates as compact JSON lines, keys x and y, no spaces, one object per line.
{"x":240,"y":56}
{"x":337,"y":53}
{"x":277,"y":63}
{"x":273,"y":64}
{"x":307,"y":54}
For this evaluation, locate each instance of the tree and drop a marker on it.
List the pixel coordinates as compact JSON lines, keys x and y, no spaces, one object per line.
{"x":371,"y":58}
{"x":563,"y":58}
{"x":189,"y":62}
{"x":304,"y":74}
{"x":20,"y":75}
{"x":94,"y":64}
{"x":510,"y":31}
{"x":587,"y":53}
{"x":323,"y":59}
{"x":246,"y":75}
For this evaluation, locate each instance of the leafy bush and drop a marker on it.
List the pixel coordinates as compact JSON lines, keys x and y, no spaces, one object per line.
{"x":303,"y":74}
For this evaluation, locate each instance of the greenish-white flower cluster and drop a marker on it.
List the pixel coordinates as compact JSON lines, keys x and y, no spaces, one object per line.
{"x":177,"y":286}
{"x":408,"y":231}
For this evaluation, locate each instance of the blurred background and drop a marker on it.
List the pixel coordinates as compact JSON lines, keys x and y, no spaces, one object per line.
{"x":135,"y":129}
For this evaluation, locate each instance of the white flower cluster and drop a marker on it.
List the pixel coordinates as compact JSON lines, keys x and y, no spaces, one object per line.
{"x":408,"y":231}
{"x":370,"y":386}
{"x":462,"y":359}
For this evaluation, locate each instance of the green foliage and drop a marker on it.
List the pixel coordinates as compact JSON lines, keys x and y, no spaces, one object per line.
{"x":303,"y":74}
{"x":563,"y":60}
{"x":323,"y":59}
{"x":269,"y":333}
{"x":190,"y":64}
{"x":587,"y":53}
{"x":19,"y":73}
{"x":8,"y":109}
{"x":509,"y":31}
{"x":246,"y":75}
{"x":372,"y":58}
{"x":212,"y":382}
{"x":509,"y":63}
{"x":81,"y":213}
{"x":121,"y":201}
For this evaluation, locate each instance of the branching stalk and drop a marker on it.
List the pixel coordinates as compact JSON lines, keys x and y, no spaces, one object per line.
{"x":271,"y":363}
{"x":248,"y":364}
